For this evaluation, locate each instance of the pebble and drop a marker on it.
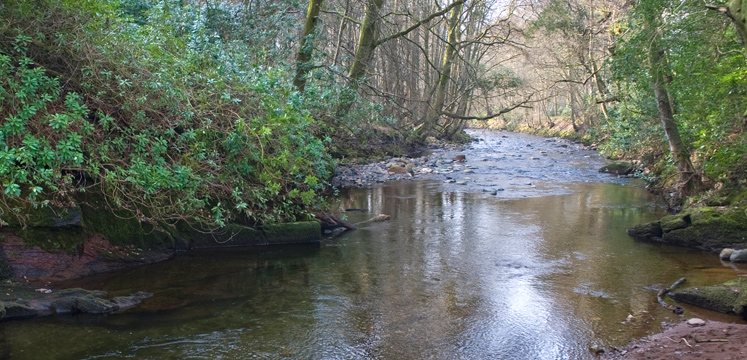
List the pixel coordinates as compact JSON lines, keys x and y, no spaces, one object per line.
{"x":695,"y":322}
{"x":461,"y":183}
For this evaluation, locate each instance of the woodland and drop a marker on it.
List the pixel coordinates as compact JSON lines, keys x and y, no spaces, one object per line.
{"x":219,"y":111}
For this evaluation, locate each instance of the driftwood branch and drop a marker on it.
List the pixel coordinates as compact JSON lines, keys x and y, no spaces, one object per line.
{"x":660,"y":297}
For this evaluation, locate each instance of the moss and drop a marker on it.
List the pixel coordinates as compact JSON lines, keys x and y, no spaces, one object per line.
{"x":119,"y":227}
{"x":674,"y":222}
{"x":293,"y":233}
{"x":5,"y":271}
{"x":646,"y":232}
{"x":729,"y":297}
{"x":40,"y":216}
{"x":240,"y":235}
{"x":53,"y":239}
{"x":710,"y":228}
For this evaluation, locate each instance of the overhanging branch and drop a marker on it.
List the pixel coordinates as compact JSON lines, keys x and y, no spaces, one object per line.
{"x":521,"y":104}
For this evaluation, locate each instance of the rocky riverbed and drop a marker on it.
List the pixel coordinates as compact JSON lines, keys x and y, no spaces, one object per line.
{"x":503,"y":164}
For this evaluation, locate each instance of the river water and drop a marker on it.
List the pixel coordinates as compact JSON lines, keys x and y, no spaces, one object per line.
{"x":543,"y":269}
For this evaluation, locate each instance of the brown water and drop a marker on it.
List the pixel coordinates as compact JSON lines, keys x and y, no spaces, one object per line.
{"x":455,"y":274}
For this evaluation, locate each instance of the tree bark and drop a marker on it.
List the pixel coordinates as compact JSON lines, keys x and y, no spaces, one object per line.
{"x":434,"y":112}
{"x":367,"y":40}
{"x":303,"y":58}
{"x":736,"y":10}
{"x":689,"y":179}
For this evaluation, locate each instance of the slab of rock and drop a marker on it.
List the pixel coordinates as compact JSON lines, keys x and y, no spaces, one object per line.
{"x":729,"y":297}
{"x":69,"y":301}
{"x":707,"y":228}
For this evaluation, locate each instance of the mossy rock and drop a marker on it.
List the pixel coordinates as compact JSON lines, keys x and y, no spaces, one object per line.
{"x":673,"y":222}
{"x":240,"y":235}
{"x":646,"y":232}
{"x":293,"y":233}
{"x":53,"y":239}
{"x":39,"y":216}
{"x":18,"y":310}
{"x":729,"y":297}
{"x":710,"y":228}
{"x":119,"y":227}
{"x":619,"y":167}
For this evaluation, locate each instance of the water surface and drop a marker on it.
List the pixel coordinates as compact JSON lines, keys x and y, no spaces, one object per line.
{"x":455,"y":274}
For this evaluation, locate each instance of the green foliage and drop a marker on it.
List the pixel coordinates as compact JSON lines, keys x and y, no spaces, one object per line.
{"x":708,"y":89}
{"x":168,"y":108}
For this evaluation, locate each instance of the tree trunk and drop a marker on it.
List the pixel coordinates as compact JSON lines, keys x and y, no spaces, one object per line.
{"x":303,"y":58}
{"x":367,"y":40}
{"x":689,"y":179}
{"x":434,"y":112}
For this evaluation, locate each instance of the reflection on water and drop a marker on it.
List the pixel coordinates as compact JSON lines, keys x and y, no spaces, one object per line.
{"x":451,"y":276}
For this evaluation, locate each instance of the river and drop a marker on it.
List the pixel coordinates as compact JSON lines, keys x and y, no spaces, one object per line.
{"x":527,"y":260}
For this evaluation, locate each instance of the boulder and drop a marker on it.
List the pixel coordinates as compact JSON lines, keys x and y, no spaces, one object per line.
{"x":647,"y":232}
{"x":19,"y":310}
{"x":618,"y":168}
{"x":725,"y":254}
{"x":707,"y":228}
{"x":739,"y":256}
{"x":729,"y":297}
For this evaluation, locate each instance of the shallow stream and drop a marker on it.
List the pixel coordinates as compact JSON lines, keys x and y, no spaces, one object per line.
{"x":541,"y":270}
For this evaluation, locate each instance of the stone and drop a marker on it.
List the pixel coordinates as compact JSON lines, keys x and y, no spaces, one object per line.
{"x":617,"y":167}
{"x":696,"y":322}
{"x":19,"y":310}
{"x":124,"y":302}
{"x":729,"y":297}
{"x":461,"y":183}
{"x":647,"y":232}
{"x":673,"y":222}
{"x":710,"y":228}
{"x":739,"y":256}
{"x":725,"y":254}
{"x":396,"y":170}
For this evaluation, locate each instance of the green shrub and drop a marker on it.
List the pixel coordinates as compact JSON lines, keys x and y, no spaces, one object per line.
{"x":160,"y":106}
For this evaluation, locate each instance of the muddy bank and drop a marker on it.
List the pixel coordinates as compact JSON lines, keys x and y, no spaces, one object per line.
{"x":93,"y":252}
{"x":714,"y":340}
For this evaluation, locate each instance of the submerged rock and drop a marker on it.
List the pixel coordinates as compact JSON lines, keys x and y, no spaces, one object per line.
{"x":729,"y":297}
{"x":74,"y":300}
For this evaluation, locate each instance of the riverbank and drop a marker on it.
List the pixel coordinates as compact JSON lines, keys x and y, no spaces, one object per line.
{"x":714,"y":340}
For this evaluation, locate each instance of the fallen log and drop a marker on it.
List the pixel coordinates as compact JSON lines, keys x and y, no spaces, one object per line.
{"x":329,"y":221}
{"x":660,"y":297}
